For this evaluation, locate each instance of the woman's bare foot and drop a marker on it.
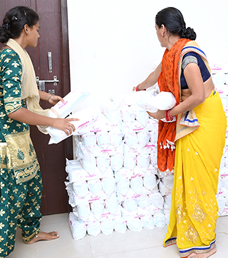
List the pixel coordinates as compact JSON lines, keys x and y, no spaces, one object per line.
{"x":205,"y":255}
{"x":44,"y":236}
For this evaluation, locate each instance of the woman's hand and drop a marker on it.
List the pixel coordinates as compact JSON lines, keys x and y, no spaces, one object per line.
{"x":64,"y":124}
{"x":160,"y":114}
{"x":54,"y":99}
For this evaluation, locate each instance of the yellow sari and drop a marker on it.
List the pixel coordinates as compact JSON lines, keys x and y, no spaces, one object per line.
{"x":194,"y":208}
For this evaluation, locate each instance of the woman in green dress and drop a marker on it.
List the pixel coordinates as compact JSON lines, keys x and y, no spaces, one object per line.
{"x":21,"y":183}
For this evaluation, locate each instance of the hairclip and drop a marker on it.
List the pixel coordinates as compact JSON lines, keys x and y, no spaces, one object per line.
{"x":14,"y":18}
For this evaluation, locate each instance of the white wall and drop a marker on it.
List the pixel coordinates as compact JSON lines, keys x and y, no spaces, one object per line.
{"x":113,"y":43}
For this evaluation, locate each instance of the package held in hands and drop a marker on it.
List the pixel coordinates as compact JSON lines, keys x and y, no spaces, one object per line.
{"x":72,"y":99}
{"x":86,"y":117}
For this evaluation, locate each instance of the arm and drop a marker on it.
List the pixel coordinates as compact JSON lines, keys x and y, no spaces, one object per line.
{"x":196,"y":86}
{"x":151,"y":79}
{"x":25,"y":116}
{"x":52,"y":99}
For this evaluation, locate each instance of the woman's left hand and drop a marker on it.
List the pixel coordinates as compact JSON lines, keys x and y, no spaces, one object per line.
{"x":160,"y":114}
{"x":54,"y":99}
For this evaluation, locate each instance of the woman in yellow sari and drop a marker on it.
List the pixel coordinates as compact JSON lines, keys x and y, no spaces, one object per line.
{"x":198,"y":136}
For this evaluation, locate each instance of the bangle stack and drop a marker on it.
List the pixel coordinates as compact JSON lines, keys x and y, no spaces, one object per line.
{"x":168,"y":116}
{"x":137,"y":88}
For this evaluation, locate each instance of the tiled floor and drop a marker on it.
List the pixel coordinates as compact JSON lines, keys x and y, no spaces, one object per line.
{"x":143,"y":244}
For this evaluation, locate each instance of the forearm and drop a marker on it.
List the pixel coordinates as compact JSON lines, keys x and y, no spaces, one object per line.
{"x":25,"y":116}
{"x":151,"y":79}
{"x":44,"y":95}
{"x":187,"y":105}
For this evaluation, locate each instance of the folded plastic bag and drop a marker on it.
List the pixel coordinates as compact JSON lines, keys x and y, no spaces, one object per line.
{"x":108,"y":185}
{"x":123,"y":186}
{"x":107,"y":227}
{"x":143,"y":161}
{"x":141,"y":116}
{"x":86,"y":117}
{"x":130,"y":162}
{"x":77,"y":226}
{"x":89,"y":164}
{"x":134,"y":224}
{"x":128,"y":115}
{"x":120,"y":225}
{"x":80,"y":188}
{"x":97,"y":209}
{"x":162,"y":101}
{"x":111,"y":111}
{"x":103,"y":162}
{"x":131,"y":140}
{"x":150,"y":182}
{"x":94,"y":228}
{"x":148,"y":222}
{"x":103,"y":139}
{"x":112,"y":204}
{"x":137,"y":185}
{"x":130,"y":205}
{"x":95,"y":186}
{"x":83,"y":210}
{"x":159,"y":220}
{"x":115,"y":138}
{"x":157,"y":200}
{"x":143,"y":202}
{"x":71,"y":100}
{"x":117,"y":162}
{"x":143,"y":138}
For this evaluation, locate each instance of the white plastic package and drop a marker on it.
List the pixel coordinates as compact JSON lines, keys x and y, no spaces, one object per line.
{"x":103,"y":139}
{"x":134,"y":224}
{"x":83,"y":210}
{"x":148,"y":222}
{"x":123,"y":186}
{"x":120,"y":225}
{"x":107,"y":227}
{"x":130,"y":162}
{"x":151,"y":103}
{"x":80,"y":188}
{"x":71,"y":100}
{"x":117,"y":162}
{"x":108,"y":185}
{"x":97,"y":208}
{"x":137,"y":185}
{"x":77,"y":226}
{"x":89,"y":164}
{"x":86,"y":117}
{"x":95,"y":186}
{"x":103,"y":162}
{"x":94,"y":228}
{"x":112,"y":204}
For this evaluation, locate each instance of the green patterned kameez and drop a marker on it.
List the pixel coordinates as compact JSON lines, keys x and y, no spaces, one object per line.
{"x":20,"y":178}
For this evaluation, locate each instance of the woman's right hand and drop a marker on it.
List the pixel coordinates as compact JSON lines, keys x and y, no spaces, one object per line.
{"x":64,"y":124}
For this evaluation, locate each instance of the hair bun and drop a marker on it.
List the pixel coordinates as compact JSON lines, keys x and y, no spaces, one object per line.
{"x":189,"y":33}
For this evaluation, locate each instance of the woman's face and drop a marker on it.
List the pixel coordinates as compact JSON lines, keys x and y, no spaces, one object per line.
{"x":33,"y":35}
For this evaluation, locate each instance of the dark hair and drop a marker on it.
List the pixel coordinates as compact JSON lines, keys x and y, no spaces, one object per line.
{"x":174,"y":22}
{"x":15,"y":20}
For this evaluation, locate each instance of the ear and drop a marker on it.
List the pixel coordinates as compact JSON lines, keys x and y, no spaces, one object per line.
{"x":163,"y":30}
{"x":26,"y":29}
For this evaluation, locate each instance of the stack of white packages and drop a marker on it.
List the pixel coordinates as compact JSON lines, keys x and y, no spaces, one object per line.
{"x":113,"y":182}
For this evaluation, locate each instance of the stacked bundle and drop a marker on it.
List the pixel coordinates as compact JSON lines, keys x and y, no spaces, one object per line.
{"x":113,"y":182}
